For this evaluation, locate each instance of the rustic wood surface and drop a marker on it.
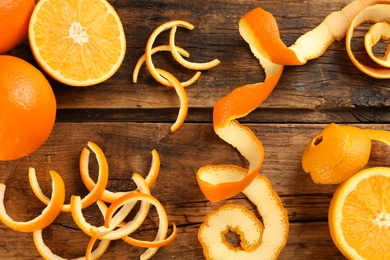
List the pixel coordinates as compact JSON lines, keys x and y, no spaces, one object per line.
{"x":129,"y":120}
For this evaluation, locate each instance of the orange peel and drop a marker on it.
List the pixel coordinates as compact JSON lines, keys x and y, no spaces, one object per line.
{"x":149,"y":46}
{"x":109,"y":196}
{"x":378,"y":13}
{"x":97,"y":190}
{"x":46,"y":253}
{"x":117,"y":212}
{"x":49,"y":213}
{"x":187,"y":64}
{"x":269,"y":241}
{"x":105,"y":232}
{"x":336,"y":153}
{"x":182,"y":96}
{"x":163,"y":222}
{"x":154,"y":50}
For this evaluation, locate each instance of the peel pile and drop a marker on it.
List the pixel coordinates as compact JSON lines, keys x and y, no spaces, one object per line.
{"x":120,"y":206}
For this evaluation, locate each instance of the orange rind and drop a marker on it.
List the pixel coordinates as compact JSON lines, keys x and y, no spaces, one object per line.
{"x":109,"y":196}
{"x":336,"y":153}
{"x":182,"y":96}
{"x":378,"y":13}
{"x":117,"y":212}
{"x":259,"y":241}
{"x":97,"y":190}
{"x":47,"y":216}
{"x":154,"y":50}
{"x":187,"y":64}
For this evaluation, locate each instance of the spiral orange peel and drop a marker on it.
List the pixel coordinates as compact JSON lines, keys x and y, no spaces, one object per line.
{"x":258,"y":241}
{"x":49,"y":213}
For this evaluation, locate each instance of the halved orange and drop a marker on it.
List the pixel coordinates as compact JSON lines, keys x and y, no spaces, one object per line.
{"x":359,"y":215}
{"x":78,"y":43}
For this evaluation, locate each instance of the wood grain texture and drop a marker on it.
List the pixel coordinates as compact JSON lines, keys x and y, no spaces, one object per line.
{"x":129,"y":120}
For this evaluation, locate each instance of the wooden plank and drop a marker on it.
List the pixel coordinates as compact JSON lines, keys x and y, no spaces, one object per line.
{"x":329,"y":82}
{"x":128,"y":146}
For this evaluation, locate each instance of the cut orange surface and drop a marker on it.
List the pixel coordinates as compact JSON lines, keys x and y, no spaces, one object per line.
{"x":78,"y":43}
{"x":359,"y":215}
{"x":336,"y":153}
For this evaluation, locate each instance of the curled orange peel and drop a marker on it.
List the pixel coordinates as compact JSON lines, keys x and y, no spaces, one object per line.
{"x":46,"y":253}
{"x":182,"y":96}
{"x":109,"y":196}
{"x":241,"y":101}
{"x":106,"y":231}
{"x":378,"y":14}
{"x":259,"y":241}
{"x":49,"y":213}
{"x":118,"y":211}
{"x":187,"y":64}
{"x":97,"y":190}
{"x":149,"y":46}
{"x":162,"y":228}
{"x":154,"y":50}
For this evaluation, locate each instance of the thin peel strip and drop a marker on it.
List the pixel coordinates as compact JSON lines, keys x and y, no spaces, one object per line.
{"x":49,"y":213}
{"x":183,"y":110}
{"x":377,"y":32}
{"x":187,"y":64}
{"x":274,"y":217}
{"x":46,"y":253}
{"x":97,"y":190}
{"x":105,"y":232}
{"x":109,"y":196}
{"x":116,"y":213}
{"x":149,"y":46}
{"x":154,"y":50}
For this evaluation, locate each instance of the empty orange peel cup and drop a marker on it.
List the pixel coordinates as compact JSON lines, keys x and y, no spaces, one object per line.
{"x":338,"y":152}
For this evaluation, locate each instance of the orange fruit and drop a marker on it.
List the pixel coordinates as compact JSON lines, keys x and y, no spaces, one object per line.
{"x":359,"y":215}
{"x":27,"y":108}
{"x":14,"y":16}
{"x":78,"y":43}
{"x":336,"y":153}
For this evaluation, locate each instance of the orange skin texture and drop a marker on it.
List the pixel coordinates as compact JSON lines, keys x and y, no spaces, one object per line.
{"x":15,"y":17}
{"x":27,"y":108}
{"x":265,"y":37}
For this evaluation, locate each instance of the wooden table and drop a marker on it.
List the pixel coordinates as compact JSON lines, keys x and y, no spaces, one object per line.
{"x":129,"y":120}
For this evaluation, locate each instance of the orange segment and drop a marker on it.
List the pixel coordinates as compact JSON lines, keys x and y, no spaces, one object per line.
{"x":336,"y":153}
{"x":88,"y":37}
{"x":359,"y":215}
{"x":47,"y":216}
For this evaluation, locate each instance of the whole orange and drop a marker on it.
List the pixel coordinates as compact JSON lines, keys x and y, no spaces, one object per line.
{"x":15,"y":17}
{"x":27,"y":108}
